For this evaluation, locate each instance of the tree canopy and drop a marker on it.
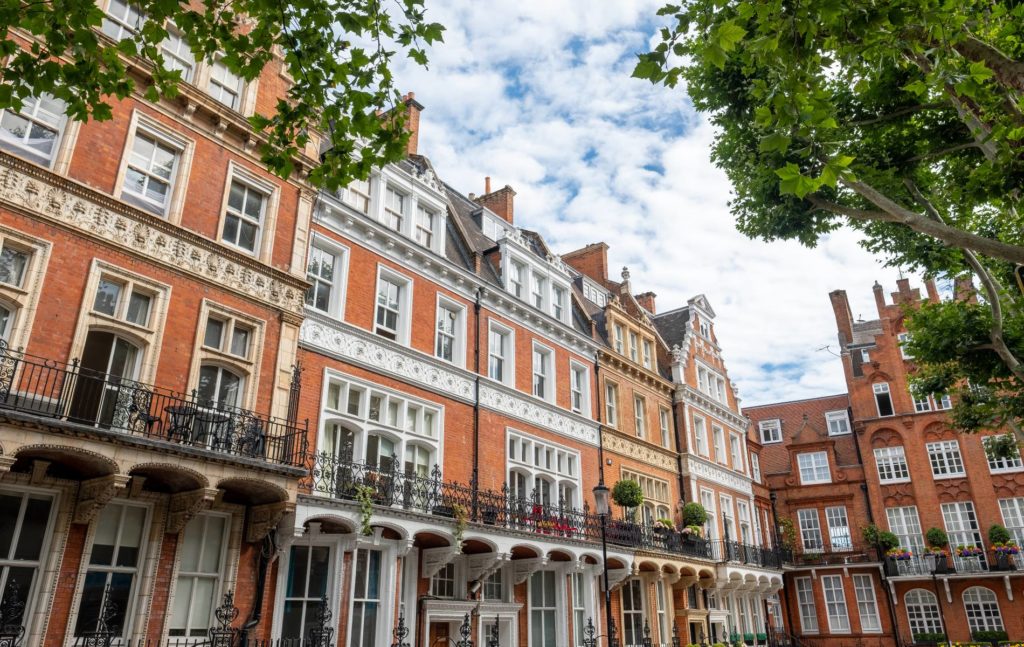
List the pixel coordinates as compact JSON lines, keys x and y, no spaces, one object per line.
{"x":903,"y":119}
{"x":338,"y":53}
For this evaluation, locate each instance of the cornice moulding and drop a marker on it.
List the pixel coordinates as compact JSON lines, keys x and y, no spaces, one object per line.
{"x":613,"y":442}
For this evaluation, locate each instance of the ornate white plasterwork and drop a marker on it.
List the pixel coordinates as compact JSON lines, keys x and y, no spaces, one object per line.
{"x":691,"y":395}
{"x":649,"y":455}
{"x":696,"y":467}
{"x":62,"y":201}
{"x":533,"y":412}
{"x":369,"y":351}
{"x":373,"y":354}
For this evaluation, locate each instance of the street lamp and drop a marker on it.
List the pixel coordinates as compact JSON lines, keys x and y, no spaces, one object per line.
{"x":603,"y":507}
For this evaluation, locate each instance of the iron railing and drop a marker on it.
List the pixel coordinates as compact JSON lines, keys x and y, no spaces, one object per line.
{"x":855,"y":554}
{"x":385,"y":484}
{"x":926,"y":565}
{"x":72,"y":393}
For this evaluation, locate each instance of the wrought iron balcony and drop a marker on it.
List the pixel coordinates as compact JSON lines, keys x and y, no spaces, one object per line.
{"x":832,"y":556}
{"x":70,"y":393}
{"x":385,"y":484}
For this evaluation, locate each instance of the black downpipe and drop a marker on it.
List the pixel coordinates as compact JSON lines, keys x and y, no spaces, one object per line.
{"x":263,"y":559}
{"x":476,"y":398}
{"x":679,"y":445}
{"x":597,"y":399}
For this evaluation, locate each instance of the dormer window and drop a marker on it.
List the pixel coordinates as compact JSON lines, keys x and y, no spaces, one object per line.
{"x":619,"y":339}
{"x":394,"y":209}
{"x":515,"y":278}
{"x":705,"y":328}
{"x":424,"y":226}
{"x":558,"y":298}
{"x":537,"y":286}
{"x":633,"y":343}
{"x":647,"y":355}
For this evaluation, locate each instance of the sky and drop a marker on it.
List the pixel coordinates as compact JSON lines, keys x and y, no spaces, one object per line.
{"x":537,"y":94}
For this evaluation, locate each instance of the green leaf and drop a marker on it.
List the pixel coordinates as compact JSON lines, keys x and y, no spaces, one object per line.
{"x":728,"y":35}
{"x":775,"y":142}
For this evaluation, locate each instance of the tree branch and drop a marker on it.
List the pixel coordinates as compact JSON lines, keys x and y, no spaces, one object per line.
{"x":1008,"y":71}
{"x":899,"y":112}
{"x":895,"y":213}
{"x":944,"y":151}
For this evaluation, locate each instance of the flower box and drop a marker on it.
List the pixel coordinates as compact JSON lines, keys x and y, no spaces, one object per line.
{"x":900,"y":554}
{"x":969,"y":551}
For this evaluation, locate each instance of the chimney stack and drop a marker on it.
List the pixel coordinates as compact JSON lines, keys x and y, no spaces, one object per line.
{"x":879,"y":297}
{"x":591,"y":260}
{"x":646,"y":301}
{"x":500,"y":201}
{"x":963,"y":288}
{"x":413,"y":108}
{"x":844,"y":318}
{"x":933,"y":292}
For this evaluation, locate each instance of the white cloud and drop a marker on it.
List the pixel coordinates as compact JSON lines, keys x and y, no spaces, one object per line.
{"x":537,"y":94}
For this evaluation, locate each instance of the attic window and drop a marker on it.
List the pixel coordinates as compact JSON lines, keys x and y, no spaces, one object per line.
{"x":705,"y":328}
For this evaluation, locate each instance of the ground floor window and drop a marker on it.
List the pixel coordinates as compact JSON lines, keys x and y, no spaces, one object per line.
{"x":633,"y":612}
{"x":923,"y":612}
{"x":366,"y":598}
{"x":543,"y":609}
{"x":201,"y":555}
{"x":982,"y":609}
{"x":867,"y":603}
{"x":23,"y":534}
{"x":111,"y":581}
{"x":309,"y":571}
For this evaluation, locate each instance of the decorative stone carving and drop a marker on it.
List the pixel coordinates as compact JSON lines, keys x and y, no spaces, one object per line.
{"x":264,"y":518}
{"x":522,"y":569}
{"x":96,"y":493}
{"x":434,"y":559}
{"x":184,"y":506}
{"x":369,"y":352}
{"x":649,"y":455}
{"x":481,"y":566}
{"x":71,"y":205}
{"x":694,"y":466}
{"x":534,"y":413}
{"x":616,"y":576}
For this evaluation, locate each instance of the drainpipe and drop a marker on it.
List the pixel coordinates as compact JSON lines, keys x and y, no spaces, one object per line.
{"x":597,"y":400}
{"x":476,"y":398}
{"x":679,"y":445}
{"x":263,"y":560}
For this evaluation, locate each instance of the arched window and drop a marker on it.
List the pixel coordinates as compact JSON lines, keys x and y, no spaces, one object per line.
{"x":219,"y":387}
{"x":7,"y":316}
{"x":338,"y":442}
{"x":982,"y":609}
{"x":923,"y":612}
{"x":108,"y":360}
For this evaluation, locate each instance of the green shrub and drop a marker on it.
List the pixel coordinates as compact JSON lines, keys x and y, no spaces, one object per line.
{"x":929,"y":637}
{"x":887,"y":540}
{"x":627,"y":493}
{"x":937,"y":538}
{"x":694,"y":514}
{"x":998,"y":534}
{"x":989,"y":636}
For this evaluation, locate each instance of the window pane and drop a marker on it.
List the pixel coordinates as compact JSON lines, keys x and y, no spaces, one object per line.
{"x":214,"y":333}
{"x":240,"y":342}
{"x":107,"y":295}
{"x":12,"y":266}
{"x":138,"y":308}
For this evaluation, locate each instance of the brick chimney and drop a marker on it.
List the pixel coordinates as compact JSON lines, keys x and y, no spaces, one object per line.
{"x":933,"y":292}
{"x":413,"y":108}
{"x":879,"y":298}
{"x":646,"y":301}
{"x":905,"y":294}
{"x":844,"y":318}
{"x":500,"y":201}
{"x":963,"y":288}
{"x":592,"y":260}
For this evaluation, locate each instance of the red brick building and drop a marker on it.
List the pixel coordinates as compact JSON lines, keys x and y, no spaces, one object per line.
{"x":152,"y":276}
{"x":906,"y":471}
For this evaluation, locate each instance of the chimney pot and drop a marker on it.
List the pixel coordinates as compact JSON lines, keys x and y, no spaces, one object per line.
{"x":487,"y":185}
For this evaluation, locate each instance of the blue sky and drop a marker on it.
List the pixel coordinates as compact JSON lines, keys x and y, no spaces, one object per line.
{"x":538,"y":95}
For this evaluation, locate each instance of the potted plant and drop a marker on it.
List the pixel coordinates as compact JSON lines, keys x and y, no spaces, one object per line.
{"x":694,"y":514}
{"x":900,"y":554}
{"x":664,"y":526}
{"x":938,"y":541}
{"x":929,"y":637}
{"x":628,"y":494}
{"x":1004,"y":554}
{"x":787,"y":533}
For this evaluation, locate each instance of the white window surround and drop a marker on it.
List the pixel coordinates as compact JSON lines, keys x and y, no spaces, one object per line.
{"x":611,"y":403}
{"x":142,"y":123}
{"x":665,"y":424}
{"x":901,"y":339}
{"x":814,"y":468}
{"x":712,"y":383}
{"x":341,"y":391}
{"x":805,"y":602}
{"x":339,"y":282}
{"x":700,"y":436}
{"x":891,"y":463}
{"x":459,"y":347}
{"x":639,"y":416}
{"x":905,"y":523}
{"x":1002,"y":465}
{"x":248,"y":366}
{"x":40,"y":115}
{"x":923,"y":612}
{"x":508,"y":377}
{"x":835,"y":604}
{"x":883,"y":400}
{"x":982,"y":607}
{"x":945,"y":459}
{"x":838,"y":422}
{"x":755,"y":467}
{"x":770,"y":430}
{"x":32,"y":619}
{"x":417,"y":194}
{"x":534,"y":269}
{"x":579,"y":376}
{"x":867,"y":604}
{"x":23,"y":299}
{"x":538,"y":459}
{"x":268,"y":226}
{"x":736,"y":453}
{"x":546,"y":371}
{"x":204,"y":524}
{"x":403,"y":329}
{"x":811,"y":538}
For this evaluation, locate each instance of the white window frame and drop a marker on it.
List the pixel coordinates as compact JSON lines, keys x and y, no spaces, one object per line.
{"x":611,"y":403}
{"x":216,"y":88}
{"x":838,"y":419}
{"x":815,"y":459}
{"x":581,"y":374}
{"x":648,"y":354}
{"x":620,"y":341}
{"x":1012,"y":510}
{"x":548,"y":374}
{"x":1002,"y":465}
{"x":508,"y":364}
{"x":811,"y":539}
{"x":665,"y":423}
{"x":217,"y":576}
{"x":405,"y":302}
{"x":755,"y":467}
{"x":31,"y":597}
{"x":962,"y":524}
{"x":805,"y":603}
{"x":141,"y":123}
{"x":891,"y":464}
{"x":835,"y":604}
{"x":923,"y":612}
{"x":945,"y":459}
{"x":271,"y":193}
{"x":882,"y":389}
{"x":718,"y":440}
{"x":736,"y":453}
{"x":700,"y":436}
{"x":770,"y":430}
{"x":30,"y":112}
{"x":459,"y":336}
{"x":840,"y":536}
{"x":640,"y":416}
{"x":905,"y":523}
{"x":902,"y":338}
{"x":517,"y":272}
{"x":339,"y":283}
{"x":867,"y":603}
{"x":981,"y":605}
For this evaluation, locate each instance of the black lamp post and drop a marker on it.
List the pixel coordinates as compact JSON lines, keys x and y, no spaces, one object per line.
{"x":602,"y":505}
